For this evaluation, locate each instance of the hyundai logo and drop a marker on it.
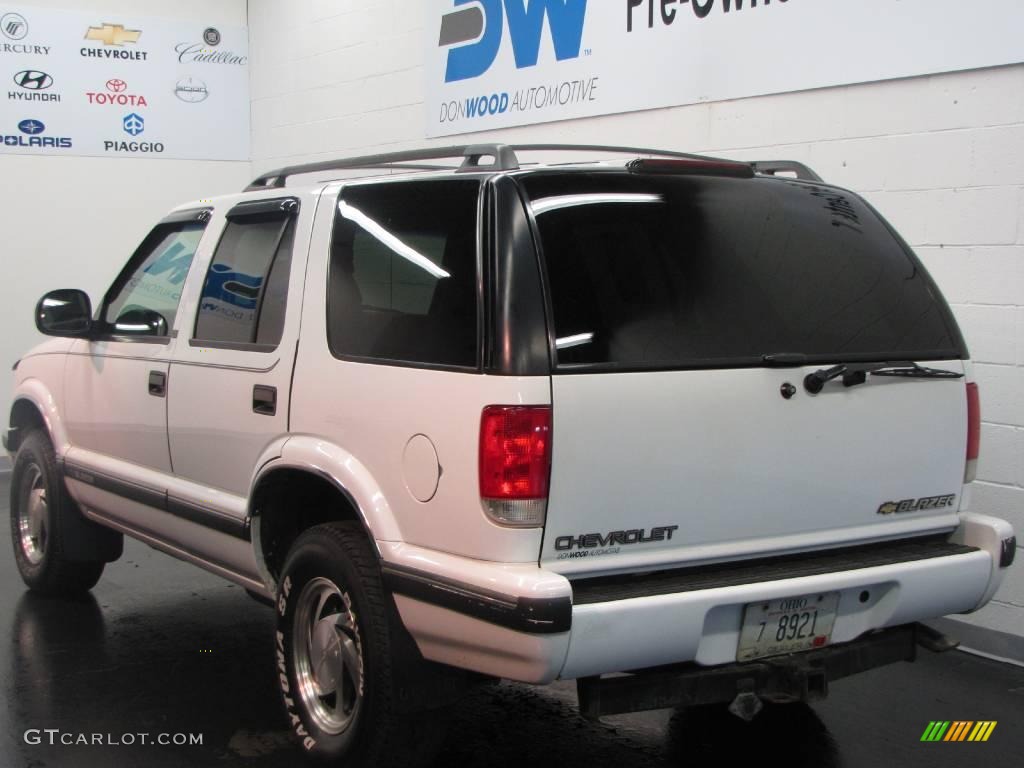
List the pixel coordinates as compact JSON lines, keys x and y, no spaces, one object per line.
{"x":33,"y":80}
{"x":31,"y":127}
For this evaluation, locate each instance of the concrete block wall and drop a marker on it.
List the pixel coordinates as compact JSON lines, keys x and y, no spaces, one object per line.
{"x":941,"y":156}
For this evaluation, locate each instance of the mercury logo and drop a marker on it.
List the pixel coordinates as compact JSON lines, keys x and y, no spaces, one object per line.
{"x":13,"y":26}
{"x":480,"y":29}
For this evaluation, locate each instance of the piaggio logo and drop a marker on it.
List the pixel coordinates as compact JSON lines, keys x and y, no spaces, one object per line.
{"x":959,"y":730}
{"x":484,"y":23}
{"x":133,"y":124}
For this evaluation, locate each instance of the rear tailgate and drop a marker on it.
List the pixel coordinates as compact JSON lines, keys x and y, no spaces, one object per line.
{"x":705,"y":465}
{"x":677,"y":435}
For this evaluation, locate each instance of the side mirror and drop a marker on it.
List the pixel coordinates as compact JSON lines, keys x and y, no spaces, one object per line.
{"x":67,"y":312}
{"x":140,"y":322}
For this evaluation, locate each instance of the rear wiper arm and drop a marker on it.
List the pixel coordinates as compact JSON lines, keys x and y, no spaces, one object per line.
{"x":857,"y":373}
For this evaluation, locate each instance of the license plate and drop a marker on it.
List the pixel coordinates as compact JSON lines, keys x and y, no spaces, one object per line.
{"x":787,"y":625}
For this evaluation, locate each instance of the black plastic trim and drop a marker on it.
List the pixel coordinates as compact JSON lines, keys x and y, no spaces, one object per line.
{"x":192,"y":214}
{"x":132,"y":491}
{"x":1008,"y":552}
{"x":520,"y":341}
{"x":208,"y":518}
{"x":151,"y":497}
{"x":277,"y":206}
{"x":534,"y":615}
{"x":603,"y":589}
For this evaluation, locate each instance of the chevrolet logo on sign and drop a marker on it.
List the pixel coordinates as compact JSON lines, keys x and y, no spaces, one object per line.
{"x":113,"y":34}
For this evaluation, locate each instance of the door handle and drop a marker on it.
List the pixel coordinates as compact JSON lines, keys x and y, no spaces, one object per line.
{"x":264,"y":400}
{"x":158,"y":383}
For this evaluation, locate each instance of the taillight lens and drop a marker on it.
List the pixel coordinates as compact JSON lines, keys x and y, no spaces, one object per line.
{"x":973,"y":431}
{"x":515,"y":461}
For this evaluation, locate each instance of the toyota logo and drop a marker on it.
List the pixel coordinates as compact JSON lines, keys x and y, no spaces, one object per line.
{"x":33,"y":80}
{"x":116,"y":86}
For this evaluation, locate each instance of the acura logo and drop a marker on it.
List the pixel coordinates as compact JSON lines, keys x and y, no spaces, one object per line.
{"x":33,"y":80}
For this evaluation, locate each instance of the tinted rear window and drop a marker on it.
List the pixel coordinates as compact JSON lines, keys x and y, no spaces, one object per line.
{"x":659,"y":271}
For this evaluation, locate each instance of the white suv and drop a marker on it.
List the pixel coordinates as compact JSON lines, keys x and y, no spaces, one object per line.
{"x":709,"y":423}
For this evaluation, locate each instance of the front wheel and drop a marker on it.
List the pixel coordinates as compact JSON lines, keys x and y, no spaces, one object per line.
{"x":334,"y":656}
{"x":41,"y":511}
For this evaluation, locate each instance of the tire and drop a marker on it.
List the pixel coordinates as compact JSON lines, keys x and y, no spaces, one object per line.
{"x":334,"y":647}
{"x":40,"y":510}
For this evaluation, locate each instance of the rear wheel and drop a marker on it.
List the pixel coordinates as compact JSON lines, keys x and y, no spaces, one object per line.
{"x":334,"y":656}
{"x":40,"y":505}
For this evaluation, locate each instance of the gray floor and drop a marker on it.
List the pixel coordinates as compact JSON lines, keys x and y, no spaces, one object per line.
{"x":164,"y":648}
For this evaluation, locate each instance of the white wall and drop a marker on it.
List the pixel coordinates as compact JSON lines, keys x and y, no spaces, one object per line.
{"x":72,"y":222}
{"x":941,"y":156}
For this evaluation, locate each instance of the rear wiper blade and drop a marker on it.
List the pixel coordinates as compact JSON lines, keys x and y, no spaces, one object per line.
{"x":857,"y":373}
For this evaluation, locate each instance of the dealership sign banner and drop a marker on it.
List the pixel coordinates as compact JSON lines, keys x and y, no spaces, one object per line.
{"x":121,"y":85}
{"x":498,"y":63}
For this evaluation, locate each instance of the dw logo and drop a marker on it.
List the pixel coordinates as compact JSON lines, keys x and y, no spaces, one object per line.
{"x":484,"y":23}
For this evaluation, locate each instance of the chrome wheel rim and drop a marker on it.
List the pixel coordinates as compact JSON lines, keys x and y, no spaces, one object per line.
{"x":328,"y":656}
{"x":32,"y":515}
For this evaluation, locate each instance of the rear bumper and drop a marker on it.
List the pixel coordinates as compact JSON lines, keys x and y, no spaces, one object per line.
{"x":523,"y":623}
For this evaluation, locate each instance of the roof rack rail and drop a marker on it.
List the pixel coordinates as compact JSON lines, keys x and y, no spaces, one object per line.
{"x":775,"y":167}
{"x":472,"y":156}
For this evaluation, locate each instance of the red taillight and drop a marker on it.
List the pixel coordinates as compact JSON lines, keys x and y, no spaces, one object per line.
{"x":515,"y":460}
{"x":973,"y":430}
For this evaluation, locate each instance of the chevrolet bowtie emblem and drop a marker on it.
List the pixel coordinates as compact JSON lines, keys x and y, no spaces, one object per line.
{"x":113,"y":34}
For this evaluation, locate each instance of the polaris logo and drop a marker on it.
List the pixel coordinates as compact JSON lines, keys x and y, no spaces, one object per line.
{"x":481,"y":28}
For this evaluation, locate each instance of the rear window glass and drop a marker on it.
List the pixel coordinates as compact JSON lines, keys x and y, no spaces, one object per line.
{"x":658,"y":271}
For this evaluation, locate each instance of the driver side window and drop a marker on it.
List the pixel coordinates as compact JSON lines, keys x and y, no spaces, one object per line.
{"x":144,"y":299}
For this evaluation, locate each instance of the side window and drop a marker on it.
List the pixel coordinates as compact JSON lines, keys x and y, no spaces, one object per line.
{"x":144,"y":299}
{"x":246,"y":287}
{"x":402,"y":281}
